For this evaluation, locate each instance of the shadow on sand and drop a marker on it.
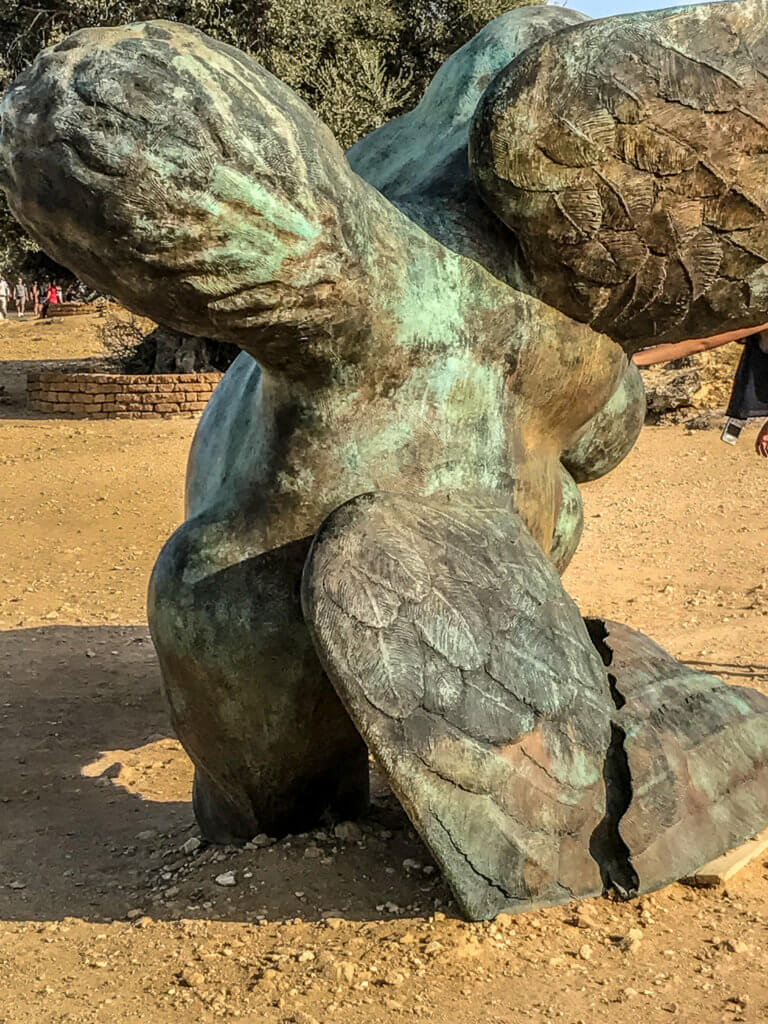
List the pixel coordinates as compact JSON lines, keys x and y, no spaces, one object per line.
{"x":95,"y":803}
{"x":13,"y":379}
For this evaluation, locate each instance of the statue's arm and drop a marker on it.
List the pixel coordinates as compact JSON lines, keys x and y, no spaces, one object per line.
{"x":175,"y":173}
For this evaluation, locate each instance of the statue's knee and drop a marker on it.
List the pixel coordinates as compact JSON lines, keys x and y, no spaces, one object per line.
{"x":246,"y":690}
{"x":611,"y":434}
{"x":569,"y":525}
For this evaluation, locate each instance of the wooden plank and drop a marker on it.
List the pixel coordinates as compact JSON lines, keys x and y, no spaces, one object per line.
{"x":721,"y":870}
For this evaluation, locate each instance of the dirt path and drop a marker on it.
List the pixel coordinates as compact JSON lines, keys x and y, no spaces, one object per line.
{"x":103,"y":916}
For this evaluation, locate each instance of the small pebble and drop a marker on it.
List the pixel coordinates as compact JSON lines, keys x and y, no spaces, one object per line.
{"x":348,"y":832}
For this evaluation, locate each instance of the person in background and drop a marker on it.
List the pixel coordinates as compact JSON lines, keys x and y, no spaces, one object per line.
{"x":750,"y":385}
{"x":59,"y":293}
{"x":35,"y":296}
{"x":20,"y":295}
{"x":5,"y":292}
{"x":51,"y":298}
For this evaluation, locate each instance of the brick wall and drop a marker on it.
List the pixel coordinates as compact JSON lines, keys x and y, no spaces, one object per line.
{"x":100,"y":396}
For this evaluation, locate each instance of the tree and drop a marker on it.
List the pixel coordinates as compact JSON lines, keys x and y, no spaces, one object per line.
{"x":358,"y":63}
{"x":20,"y":255}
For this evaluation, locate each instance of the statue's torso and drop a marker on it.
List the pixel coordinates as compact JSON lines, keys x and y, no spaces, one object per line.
{"x":283,"y":458}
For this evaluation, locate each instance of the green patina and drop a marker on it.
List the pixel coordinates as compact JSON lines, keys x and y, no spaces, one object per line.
{"x":434,"y":306}
{"x":456,"y":399}
{"x":569,"y":525}
{"x":364,"y":453}
{"x":232,"y":186}
{"x":262,"y":237}
{"x":166,"y":165}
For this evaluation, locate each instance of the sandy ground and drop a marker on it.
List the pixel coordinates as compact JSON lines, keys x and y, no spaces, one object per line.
{"x":105,"y":918}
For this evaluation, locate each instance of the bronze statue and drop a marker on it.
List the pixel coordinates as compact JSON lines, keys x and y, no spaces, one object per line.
{"x":381,"y":494}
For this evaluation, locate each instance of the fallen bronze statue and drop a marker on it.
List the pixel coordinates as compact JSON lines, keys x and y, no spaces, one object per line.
{"x":382,"y":492}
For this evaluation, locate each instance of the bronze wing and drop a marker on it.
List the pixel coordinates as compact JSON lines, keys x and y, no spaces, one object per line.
{"x":628,"y":156}
{"x":472,"y":678}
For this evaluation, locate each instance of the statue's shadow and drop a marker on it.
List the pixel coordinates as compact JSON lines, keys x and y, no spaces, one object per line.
{"x":95,"y":800}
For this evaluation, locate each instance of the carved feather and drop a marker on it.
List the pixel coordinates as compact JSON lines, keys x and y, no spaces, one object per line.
{"x":484,"y":700}
{"x":695,"y":753}
{"x":687,"y":95}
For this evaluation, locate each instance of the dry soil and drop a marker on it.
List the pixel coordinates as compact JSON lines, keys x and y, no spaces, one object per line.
{"x":111,"y":912}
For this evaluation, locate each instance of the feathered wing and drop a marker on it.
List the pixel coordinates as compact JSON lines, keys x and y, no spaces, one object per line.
{"x":472,"y":678}
{"x":696,"y":757}
{"x":628,"y":155}
{"x":540,"y":757}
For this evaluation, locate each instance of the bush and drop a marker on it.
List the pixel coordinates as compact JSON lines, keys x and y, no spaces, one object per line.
{"x":122,"y":336}
{"x":133,"y":344}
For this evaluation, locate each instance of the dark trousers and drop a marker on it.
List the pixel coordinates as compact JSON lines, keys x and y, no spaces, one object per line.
{"x":749,"y":397}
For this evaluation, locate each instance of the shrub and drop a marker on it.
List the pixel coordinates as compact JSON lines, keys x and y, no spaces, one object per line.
{"x":133,"y":344}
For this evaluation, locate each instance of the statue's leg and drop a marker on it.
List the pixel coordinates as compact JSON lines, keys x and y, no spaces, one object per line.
{"x":605,"y":440}
{"x":274,"y":750}
{"x":611,"y":433}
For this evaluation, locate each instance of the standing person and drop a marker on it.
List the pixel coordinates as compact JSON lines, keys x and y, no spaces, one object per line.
{"x":35,"y":294}
{"x":51,"y":298}
{"x":59,"y":293}
{"x":20,"y":295}
{"x":749,"y":397}
{"x":5,"y":292}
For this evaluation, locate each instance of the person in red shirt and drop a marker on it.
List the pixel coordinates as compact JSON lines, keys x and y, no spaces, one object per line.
{"x":51,"y":298}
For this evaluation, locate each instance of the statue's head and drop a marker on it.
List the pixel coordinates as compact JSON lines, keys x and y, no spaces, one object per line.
{"x":176,"y":174}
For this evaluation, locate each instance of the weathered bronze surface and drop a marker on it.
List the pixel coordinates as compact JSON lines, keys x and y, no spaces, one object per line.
{"x":421,"y":389}
{"x":473,"y":680}
{"x":695,"y":756}
{"x":628,"y":157}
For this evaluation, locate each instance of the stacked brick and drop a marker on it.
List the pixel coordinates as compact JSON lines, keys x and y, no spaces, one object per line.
{"x":120,"y":396}
{"x":75,"y":309}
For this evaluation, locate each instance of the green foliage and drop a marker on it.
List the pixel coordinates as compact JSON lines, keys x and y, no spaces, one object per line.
{"x":15,"y":246}
{"x":20,"y":255}
{"x":358,"y":63}
{"x":130,"y":347}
